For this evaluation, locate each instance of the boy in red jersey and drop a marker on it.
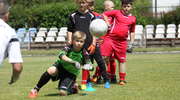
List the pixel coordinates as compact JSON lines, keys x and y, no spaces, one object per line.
{"x":115,"y":42}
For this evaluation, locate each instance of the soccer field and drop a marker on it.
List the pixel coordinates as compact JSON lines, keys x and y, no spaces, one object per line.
{"x":149,"y":77}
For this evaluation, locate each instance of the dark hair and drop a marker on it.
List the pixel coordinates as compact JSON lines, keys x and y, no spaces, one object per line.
{"x":127,"y":2}
{"x":4,"y":7}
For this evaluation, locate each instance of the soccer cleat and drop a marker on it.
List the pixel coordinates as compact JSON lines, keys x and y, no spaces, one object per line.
{"x":122,"y":82}
{"x":107,"y":85}
{"x":114,"y":80}
{"x":83,"y":86}
{"x":75,"y":88}
{"x":94,"y":79}
{"x":33,"y":93}
{"x":99,"y":80}
{"x":89,"y":87}
{"x":63,"y":93}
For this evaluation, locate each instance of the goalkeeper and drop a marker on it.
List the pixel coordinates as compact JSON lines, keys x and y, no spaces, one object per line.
{"x":66,"y":68}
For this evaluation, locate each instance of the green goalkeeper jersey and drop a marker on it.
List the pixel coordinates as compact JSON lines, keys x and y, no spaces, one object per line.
{"x":76,"y":56}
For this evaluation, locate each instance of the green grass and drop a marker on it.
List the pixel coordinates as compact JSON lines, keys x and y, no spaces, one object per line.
{"x":55,"y":51}
{"x":150,"y":77}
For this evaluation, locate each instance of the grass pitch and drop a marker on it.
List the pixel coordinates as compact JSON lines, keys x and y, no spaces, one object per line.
{"x":149,"y":77}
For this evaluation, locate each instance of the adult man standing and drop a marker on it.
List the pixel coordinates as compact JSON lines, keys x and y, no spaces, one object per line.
{"x":9,"y":44}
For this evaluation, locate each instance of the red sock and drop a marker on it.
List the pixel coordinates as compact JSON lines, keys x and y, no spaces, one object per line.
{"x":111,"y":67}
{"x":97,"y":72}
{"x":122,"y":76}
{"x":85,"y":74}
{"x":108,"y":68}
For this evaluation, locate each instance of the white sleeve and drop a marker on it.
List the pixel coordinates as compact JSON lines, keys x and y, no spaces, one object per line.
{"x":14,"y":52}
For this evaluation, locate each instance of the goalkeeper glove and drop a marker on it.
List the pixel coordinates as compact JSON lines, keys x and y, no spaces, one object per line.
{"x":77,"y":65}
{"x":91,"y":49}
{"x":88,"y":67}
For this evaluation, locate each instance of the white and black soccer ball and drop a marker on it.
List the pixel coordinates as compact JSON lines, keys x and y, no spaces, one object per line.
{"x":98,"y":27}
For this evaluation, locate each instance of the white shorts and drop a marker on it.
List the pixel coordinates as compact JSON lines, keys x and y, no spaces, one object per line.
{"x":14,"y":53}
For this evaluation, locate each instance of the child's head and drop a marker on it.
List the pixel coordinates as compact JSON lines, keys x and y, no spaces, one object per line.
{"x":82,"y":5}
{"x":78,"y":40}
{"x":91,"y":4}
{"x":108,"y":5}
{"x":127,"y":6}
{"x":4,"y":10}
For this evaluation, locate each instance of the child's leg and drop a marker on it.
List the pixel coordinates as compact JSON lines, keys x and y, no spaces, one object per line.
{"x":111,"y":67}
{"x":120,"y":54}
{"x":66,"y":82}
{"x":46,"y":76}
{"x":44,"y":79}
{"x":101,"y":64}
{"x":85,"y":75}
{"x":112,"y":70}
{"x":96,"y":75}
{"x":122,"y":71}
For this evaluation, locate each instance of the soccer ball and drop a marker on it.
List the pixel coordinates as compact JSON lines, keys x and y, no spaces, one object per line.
{"x":98,"y":27}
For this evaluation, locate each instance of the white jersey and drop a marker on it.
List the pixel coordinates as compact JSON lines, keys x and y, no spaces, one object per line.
{"x":9,"y":44}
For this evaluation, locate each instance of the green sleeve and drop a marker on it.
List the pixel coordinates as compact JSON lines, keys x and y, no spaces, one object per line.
{"x":61,"y":53}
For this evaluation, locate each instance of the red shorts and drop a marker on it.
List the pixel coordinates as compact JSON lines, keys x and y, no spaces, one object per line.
{"x":118,"y":48}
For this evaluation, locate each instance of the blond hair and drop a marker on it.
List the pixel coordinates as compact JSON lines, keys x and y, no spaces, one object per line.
{"x":109,"y":3}
{"x":78,"y":1}
{"x":78,"y":35}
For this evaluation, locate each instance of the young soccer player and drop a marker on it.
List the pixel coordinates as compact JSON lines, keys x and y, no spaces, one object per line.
{"x":67,"y":67}
{"x":116,"y":41}
{"x":111,"y":67}
{"x":80,"y":20}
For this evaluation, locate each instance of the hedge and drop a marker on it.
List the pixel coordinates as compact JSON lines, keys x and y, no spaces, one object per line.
{"x":56,"y":14}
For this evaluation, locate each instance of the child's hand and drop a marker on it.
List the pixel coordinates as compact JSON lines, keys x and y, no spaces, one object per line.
{"x":91,"y":49}
{"x":88,"y":67}
{"x":77,"y":65}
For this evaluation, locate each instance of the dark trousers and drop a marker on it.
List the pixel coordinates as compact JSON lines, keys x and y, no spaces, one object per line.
{"x":100,"y":61}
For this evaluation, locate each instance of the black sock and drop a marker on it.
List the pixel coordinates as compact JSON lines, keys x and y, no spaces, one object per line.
{"x":45,"y":77}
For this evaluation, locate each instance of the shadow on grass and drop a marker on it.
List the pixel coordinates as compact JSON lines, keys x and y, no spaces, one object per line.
{"x":52,"y":94}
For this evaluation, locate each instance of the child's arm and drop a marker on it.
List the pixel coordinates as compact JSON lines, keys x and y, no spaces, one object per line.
{"x":67,"y":59}
{"x":69,"y":38}
{"x":107,"y":14}
{"x":106,"y":20}
{"x":132,"y":31}
{"x":132,"y":37}
{"x":70,"y":30}
{"x":62,"y":56}
{"x":92,"y":47}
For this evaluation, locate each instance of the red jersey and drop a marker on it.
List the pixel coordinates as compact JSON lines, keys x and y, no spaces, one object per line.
{"x":121,"y":24}
{"x":96,"y":14}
